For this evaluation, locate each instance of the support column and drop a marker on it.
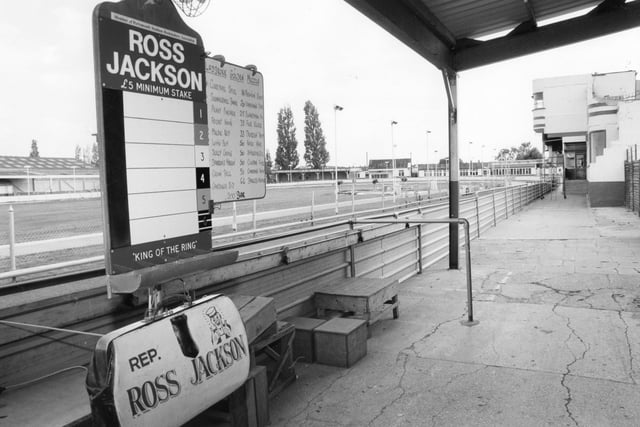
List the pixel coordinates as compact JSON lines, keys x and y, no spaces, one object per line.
{"x":451,"y":87}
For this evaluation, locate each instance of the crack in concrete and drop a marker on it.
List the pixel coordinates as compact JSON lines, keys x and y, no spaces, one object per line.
{"x":493,"y":345}
{"x":586,"y":348}
{"x":626,"y":335}
{"x":311,"y":401}
{"x":402,"y":390}
{"x":444,"y":387}
{"x":411,"y":348}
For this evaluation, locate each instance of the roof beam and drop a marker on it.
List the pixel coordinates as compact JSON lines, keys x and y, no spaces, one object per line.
{"x":606,"y":21}
{"x":418,"y":32}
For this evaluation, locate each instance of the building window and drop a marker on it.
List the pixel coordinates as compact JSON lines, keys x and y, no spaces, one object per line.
{"x":538,"y":101}
{"x":597,"y":144}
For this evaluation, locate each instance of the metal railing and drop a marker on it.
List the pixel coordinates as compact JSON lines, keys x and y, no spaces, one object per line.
{"x":467,"y":244}
{"x":483,"y":209}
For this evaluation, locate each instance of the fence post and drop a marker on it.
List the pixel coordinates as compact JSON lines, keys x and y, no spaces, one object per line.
{"x":353,"y":197}
{"x":493,"y":199}
{"x":352,"y":254}
{"x":506,"y":204}
{"x":12,"y":240}
{"x":253,"y":218}
{"x":419,"y":248}
{"x":313,"y":205}
{"x":478,"y":214}
{"x":520,"y":194}
{"x":234,"y":225}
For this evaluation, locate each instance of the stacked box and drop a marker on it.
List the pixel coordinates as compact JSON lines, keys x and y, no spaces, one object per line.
{"x":341,"y":341}
{"x":303,"y":345}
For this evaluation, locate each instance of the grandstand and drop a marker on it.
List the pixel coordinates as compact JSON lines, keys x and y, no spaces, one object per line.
{"x":45,"y":175}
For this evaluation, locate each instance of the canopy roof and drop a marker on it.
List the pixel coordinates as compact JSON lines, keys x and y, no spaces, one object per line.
{"x":448,"y":33}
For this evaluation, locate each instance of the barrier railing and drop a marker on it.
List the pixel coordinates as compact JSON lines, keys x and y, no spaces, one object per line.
{"x":467,"y":244}
{"x":482,"y":209}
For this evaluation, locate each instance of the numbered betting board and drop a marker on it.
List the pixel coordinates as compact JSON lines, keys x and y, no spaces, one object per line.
{"x":178,"y":132}
{"x":235,"y":101}
{"x":153,"y":127}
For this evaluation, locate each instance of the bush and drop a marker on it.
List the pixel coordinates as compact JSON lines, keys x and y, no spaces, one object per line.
{"x":404,"y":179}
{"x":375,"y":181}
{"x":340,"y":182}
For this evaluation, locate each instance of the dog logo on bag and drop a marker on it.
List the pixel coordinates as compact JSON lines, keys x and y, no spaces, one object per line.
{"x":220,"y":328}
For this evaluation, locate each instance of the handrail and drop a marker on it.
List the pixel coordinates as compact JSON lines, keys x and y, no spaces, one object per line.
{"x":470,"y":321}
{"x":420,"y":208}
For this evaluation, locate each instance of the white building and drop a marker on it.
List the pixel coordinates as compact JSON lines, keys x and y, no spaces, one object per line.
{"x":590,"y":120}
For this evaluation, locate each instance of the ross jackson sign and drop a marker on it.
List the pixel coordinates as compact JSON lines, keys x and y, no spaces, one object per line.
{"x":167,"y":371}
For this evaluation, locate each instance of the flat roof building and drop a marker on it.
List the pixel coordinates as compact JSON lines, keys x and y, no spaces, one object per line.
{"x":588,"y":121}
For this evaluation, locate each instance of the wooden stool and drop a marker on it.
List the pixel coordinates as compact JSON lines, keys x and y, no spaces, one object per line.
{"x":364,"y":298}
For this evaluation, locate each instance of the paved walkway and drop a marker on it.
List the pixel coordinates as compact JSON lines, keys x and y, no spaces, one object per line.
{"x":557,"y":294}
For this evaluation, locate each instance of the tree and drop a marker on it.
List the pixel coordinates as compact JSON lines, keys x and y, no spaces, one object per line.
{"x":524,"y":152}
{"x":315,"y":145}
{"x":287,"y":152}
{"x":78,"y":152}
{"x":95,"y":154}
{"x":268,"y":163}
{"x":35,"y":154}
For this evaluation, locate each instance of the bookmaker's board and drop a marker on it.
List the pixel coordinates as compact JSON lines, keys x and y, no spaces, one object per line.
{"x":178,"y":133}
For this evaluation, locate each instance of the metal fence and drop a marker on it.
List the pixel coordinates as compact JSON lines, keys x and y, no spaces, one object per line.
{"x":632,"y":180}
{"x":80,"y":242}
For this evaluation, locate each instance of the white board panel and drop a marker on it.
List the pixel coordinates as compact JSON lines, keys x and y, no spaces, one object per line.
{"x":157,"y":107}
{"x":155,"y":180}
{"x":159,"y":156}
{"x":146,"y":205}
{"x":163,"y":227}
{"x":235,"y":104}
{"x":157,"y":132}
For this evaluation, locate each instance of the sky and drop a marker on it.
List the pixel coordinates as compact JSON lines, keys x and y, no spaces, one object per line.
{"x":322,"y":51}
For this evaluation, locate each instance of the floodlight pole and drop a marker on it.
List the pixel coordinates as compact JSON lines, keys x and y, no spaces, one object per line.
{"x":336,"y":108}
{"x":470,"y":156}
{"x":426,"y":174}
{"x":393,"y":163}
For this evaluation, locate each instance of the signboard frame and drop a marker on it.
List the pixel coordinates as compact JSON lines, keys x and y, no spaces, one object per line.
{"x":149,"y":65}
{"x":235,"y":100}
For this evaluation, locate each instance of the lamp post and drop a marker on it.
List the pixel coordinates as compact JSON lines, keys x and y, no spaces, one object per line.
{"x":393,"y":163}
{"x":28,"y":181}
{"x":427,"y":145}
{"x":470,"y":163}
{"x":336,"y":108}
{"x":435,"y":152}
{"x":482,"y":159}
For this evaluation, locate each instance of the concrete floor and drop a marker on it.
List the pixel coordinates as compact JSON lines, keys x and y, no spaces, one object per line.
{"x":557,"y":294}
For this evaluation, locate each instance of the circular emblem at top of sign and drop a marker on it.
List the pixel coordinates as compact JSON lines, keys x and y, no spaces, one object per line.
{"x":192,"y":8}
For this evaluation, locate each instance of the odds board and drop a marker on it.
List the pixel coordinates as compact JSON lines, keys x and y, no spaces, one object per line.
{"x":235,"y":100}
{"x":153,"y":129}
{"x":178,"y":133}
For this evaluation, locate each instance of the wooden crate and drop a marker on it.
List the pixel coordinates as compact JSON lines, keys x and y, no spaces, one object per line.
{"x":365,"y":298}
{"x":248,"y":406}
{"x":303,"y":345}
{"x":341,"y":341}
{"x":258,"y":314}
